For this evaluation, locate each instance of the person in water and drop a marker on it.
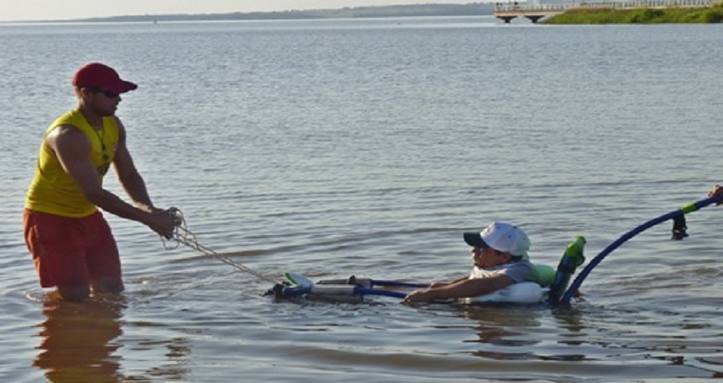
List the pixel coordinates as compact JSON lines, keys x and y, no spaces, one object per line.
{"x":71,"y":243}
{"x":499,"y":253}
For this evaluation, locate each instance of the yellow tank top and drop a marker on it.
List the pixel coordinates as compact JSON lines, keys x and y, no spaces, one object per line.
{"x":52,"y":189}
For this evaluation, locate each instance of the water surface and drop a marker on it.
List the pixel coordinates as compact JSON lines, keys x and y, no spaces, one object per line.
{"x":339,"y":147}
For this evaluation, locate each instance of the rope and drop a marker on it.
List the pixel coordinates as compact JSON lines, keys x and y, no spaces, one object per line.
{"x":183,"y":236}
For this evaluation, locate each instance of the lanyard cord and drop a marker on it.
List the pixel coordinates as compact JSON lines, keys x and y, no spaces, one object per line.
{"x":183,"y":236}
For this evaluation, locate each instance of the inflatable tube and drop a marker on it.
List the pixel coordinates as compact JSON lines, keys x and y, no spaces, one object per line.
{"x":523,"y":292}
{"x":545,"y":275}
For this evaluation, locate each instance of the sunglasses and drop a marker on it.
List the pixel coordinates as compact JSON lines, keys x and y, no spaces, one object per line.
{"x":105,"y":92}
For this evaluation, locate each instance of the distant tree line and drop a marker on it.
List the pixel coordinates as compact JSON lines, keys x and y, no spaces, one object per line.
{"x":471,"y":9}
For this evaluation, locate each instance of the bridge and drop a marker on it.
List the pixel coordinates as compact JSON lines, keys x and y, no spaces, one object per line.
{"x":535,"y":12}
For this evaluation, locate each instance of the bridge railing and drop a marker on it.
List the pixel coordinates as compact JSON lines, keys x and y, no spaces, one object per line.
{"x":512,"y":7}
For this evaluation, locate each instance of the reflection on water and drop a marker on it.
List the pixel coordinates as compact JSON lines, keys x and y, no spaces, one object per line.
{"x":570,"y":320}
{"x":369,"y":151}
{"x":509,"y":332}
{"x":498,"y":323}
{"x":78,"y":341}
{"x":501,"y":330}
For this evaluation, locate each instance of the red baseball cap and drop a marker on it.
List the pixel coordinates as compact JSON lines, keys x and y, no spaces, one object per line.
{"x":97,"y":75}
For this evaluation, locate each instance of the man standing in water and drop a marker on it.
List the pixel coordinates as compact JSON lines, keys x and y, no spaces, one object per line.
{"x":71,"y":243}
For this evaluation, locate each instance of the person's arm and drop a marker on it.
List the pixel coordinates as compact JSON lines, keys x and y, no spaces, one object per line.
{"x":128,"y":175}
{"x":447,"y":283}
{"x":72,"y":148}
{"x":461,"y":289}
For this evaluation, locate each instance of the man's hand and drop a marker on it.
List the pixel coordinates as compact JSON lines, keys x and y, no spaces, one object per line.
{"x":162,"y":222}
{"x":418,"y":296}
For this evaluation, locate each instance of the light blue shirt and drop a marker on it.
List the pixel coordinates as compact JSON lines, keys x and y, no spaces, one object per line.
{"x":520,"y":271}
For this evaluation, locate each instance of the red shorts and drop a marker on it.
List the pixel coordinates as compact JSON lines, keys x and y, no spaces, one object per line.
{"x":70,"y":252}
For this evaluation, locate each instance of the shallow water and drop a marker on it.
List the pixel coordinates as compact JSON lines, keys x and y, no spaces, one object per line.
{"x":366,"y":147}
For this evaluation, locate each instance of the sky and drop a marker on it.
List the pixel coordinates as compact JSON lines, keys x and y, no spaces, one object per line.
{"x":27,"y":10}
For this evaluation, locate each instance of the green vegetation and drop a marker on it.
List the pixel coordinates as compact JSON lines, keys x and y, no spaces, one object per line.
{"x":706,"y":15}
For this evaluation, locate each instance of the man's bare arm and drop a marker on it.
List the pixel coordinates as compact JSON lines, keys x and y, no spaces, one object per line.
{"x":461,"y":289}
{"x":128,"y":175}
{"x":447,"y":283}
{"x":73,"y":151}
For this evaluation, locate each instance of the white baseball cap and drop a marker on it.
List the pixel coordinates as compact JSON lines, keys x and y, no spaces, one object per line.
{"x":501,"y":236}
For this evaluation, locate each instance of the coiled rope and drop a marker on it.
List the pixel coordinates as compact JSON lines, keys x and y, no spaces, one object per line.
{"x":183,"y":236}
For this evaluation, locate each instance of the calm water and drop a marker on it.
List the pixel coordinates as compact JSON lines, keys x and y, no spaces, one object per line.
{"x":366,"y":147}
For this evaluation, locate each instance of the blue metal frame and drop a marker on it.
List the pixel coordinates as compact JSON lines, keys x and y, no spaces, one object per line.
{"x":595,"y":261}
{"x":295,"y":291}
{"x":299,"y":291}
{"x":382,"y":282}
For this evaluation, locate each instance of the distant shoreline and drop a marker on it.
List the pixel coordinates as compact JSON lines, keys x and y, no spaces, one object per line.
{"x":414,"y":10}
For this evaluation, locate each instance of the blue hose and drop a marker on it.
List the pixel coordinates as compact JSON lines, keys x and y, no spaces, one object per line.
{"x":595,"y":261}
